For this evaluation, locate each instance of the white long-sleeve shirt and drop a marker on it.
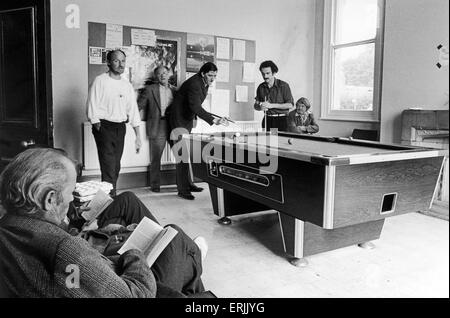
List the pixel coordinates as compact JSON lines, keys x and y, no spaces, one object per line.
{"x":112,"y":100}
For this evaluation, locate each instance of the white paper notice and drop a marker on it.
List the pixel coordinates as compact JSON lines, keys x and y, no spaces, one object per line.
{"x":207,"y":103}
{"x":220,"y":104}
{"x":143,"y":37}
{"x":114,"y":36}
{"x":248,"y":73}
{"x":95,"y":55}
{"x":241,"y":94}
{"x":224,"y":71}
{"x":223,"y":48}
{"x":239,"y":50}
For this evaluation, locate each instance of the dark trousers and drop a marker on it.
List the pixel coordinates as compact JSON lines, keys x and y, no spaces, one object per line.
{"x":157,"y":146}
{"x":179,"y":267}
{"x":110,"y":142}
{"x":275,"y":122}
{"x":184,"y":181}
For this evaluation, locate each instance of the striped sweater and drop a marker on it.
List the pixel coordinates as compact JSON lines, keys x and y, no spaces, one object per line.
{"x":38,"y":259}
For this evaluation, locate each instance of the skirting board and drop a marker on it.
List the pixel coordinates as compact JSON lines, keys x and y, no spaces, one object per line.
{"x":130,"y":180}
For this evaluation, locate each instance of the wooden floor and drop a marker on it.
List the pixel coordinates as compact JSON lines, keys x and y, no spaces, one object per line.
{"x":245,"y":260}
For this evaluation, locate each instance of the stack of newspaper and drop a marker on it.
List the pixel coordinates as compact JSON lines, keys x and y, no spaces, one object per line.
{"x":85,"y":191}
{"x":94,"y":195}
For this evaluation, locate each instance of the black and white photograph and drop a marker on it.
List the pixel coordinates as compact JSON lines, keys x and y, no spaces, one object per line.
{"x":200,"y":49}
{"x":251,"y":153}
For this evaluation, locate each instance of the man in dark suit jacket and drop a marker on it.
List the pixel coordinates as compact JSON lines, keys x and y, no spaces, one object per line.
{"x":155,"y":101}
{"x":187,"y":106}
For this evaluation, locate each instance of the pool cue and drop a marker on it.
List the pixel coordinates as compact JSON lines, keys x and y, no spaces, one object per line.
{"x":265,"y":119}
{"x":265,"y":116}
{"x":229,"y":120}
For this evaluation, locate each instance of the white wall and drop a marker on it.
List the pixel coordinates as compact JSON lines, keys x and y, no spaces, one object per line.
{"x":414,"y":29}
{"x":283,"y":31}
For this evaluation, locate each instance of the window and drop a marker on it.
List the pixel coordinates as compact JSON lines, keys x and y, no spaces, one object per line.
{"x":352,"y":61}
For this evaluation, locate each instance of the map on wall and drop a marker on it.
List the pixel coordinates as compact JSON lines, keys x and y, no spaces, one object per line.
{"x":143,"y":60}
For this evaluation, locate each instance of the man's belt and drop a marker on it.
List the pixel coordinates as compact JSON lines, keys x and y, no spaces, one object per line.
{"x":277,"y":115}
{"x":112,"y":123}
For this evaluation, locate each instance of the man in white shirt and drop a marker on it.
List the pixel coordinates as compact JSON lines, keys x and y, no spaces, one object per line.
{"x":111,"y":104}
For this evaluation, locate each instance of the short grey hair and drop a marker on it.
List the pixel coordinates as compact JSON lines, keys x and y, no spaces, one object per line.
{"x":30,"y":176}
{"x":160,"y":68}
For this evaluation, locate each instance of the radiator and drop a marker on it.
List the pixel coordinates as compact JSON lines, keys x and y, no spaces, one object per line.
{"x":138,"y":162}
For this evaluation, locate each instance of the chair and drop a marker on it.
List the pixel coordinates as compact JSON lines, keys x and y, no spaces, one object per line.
{"x":365,"y":134}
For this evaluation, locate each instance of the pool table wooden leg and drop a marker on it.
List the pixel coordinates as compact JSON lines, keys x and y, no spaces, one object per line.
{"x":225,"y":221}
{"x":226,"y":204}
{"x":367,"y":245}
{"x":302,"y":239}
{"x":299,"y":262}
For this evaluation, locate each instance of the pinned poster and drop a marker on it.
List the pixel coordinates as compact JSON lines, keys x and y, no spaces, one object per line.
{"x":248,"y":72}
{"x":143,"y":37}
{"x":223,"y":48}
{"x":239,"y":50}
{"x":220,"y":103}
{"x":223,"y":75}
{"x":96,"y":55}
{"x":114,"y":36}
{"x":241,"y":94}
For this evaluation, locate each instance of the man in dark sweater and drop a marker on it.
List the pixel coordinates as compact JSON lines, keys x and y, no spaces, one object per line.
{"x":40,"y":259}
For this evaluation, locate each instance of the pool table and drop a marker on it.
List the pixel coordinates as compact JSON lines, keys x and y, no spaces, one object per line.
{"x":329,"y":192}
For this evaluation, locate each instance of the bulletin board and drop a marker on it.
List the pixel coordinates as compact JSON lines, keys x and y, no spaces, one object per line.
{"x":184,"y":53}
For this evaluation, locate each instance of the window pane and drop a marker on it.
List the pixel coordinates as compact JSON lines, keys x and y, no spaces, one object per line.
{"x":354,"y":78}
{"x":356,"y":20}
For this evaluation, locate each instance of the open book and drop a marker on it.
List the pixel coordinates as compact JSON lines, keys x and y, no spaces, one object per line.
{"x":97,"y":205}
{"x":150,"y":238}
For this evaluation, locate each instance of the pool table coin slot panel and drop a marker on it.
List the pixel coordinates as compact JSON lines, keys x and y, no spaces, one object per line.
{"x":244,"y":175}
{"x":247,"y":178}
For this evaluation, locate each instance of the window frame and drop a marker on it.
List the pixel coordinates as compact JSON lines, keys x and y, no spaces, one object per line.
{"x":327,"y":113}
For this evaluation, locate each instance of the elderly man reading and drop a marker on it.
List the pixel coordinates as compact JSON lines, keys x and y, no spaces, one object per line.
{"x":40,"y":259}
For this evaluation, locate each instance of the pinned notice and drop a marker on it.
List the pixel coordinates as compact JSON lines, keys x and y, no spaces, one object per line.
{"x":241,"y":94}
{"x":239,"y":50}
{"x":114,"y":36}
{"x":223,"y":48}
{"x":248,"y":72}
{"x":220,"y":104}
{"x":143,"y":37}
{"x":224,"y":71}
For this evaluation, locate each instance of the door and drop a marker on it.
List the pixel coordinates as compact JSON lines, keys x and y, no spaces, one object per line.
{"x":25,"y":77}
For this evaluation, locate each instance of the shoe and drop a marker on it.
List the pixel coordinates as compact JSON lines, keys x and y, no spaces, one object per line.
{"x":186,"y":196}
{"x":156,"y":190}
{"x":194,"y":188}
{"x":202,"y":245}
